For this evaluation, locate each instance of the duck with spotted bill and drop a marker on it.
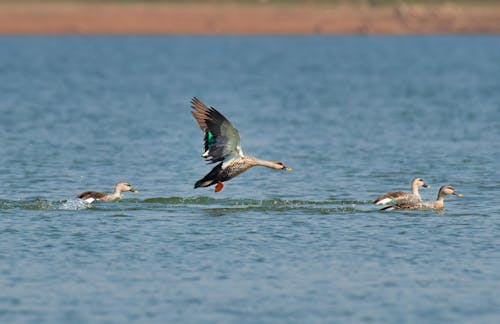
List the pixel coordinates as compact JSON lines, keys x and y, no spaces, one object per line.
{"x":398,"y":196}
{"x":91,"y":196}
{"x":438,"y":204}
{"x":222,"y":144}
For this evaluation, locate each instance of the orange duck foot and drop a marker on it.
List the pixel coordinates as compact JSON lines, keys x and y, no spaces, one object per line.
{"x":219,"y":186}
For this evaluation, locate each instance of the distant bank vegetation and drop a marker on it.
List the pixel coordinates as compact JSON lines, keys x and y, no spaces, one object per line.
{"x":278,"y":2}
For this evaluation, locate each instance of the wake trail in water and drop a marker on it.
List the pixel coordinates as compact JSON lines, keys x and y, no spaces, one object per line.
{"x":208,"y":204}
{"x":203,"y":200}
{"x":214,"y":206}
{"x":44,"y":204}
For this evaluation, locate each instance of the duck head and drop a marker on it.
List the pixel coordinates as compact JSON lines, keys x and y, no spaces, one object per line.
{"x":419,"y":182}
{"x":124,"y":186}
{"x":280,"y":166}
{"x":448,"y":190}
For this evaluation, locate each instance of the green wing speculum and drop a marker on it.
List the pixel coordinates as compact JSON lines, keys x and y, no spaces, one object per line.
{"x":221,"y":139}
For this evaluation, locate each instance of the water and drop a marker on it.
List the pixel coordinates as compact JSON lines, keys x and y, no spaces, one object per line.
{"x":354,"y":117}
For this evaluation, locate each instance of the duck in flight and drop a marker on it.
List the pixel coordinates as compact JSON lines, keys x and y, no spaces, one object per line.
{"x":398,"y":196}
{"x":222,"y":144}
{"x":91,"y":196}
{"x":438,"y":204}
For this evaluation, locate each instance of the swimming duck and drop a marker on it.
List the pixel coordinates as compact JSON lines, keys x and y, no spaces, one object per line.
{"x":91,"y":196}
{"x":222,"y":144}
{"x":438,"y":204}
{"x":393,"y":197}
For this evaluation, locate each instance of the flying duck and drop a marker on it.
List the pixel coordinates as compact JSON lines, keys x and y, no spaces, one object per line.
{"x":438,"y":204}
{"x":91,"y":196}
{"x":393,"y":197}
{"x":222,"y":144}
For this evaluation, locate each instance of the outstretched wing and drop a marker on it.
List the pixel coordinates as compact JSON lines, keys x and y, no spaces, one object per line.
{"x":221,"y":139}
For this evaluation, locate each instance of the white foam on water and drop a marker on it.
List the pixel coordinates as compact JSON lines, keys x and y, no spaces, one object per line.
{"x":74,"y":204}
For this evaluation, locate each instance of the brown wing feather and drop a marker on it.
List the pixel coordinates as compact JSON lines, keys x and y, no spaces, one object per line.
{"x":392,"y":195}
{"x":206,"y":116}
{"x":91,"y":194}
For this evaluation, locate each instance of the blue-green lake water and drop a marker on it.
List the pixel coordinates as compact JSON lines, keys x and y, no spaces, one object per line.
{"x":354,"y":117}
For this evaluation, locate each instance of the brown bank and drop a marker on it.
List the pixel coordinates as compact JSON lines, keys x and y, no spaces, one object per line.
{"x":115,"y":18}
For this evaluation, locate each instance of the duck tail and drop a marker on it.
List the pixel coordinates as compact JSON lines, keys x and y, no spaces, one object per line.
{"x":211,"y":178}
{"x":390,"y":207}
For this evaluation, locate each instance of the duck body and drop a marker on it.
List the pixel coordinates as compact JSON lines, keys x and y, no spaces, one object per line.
{"x":91,"y":196}
{"x":222,"y":144}
{"x":219,"y":174}
{"x":400,"y":196}
{"x":419,"y":205}
{"x":393,"y":197}
{"x":226,"y":171}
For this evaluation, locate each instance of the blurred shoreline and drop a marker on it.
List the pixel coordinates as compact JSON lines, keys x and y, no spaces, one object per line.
{"x":204,"y":19}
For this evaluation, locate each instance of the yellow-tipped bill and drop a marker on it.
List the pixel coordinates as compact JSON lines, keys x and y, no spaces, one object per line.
{"x":136,"y":191}
{"x":460,"y":195}
{"x":289,"y":169}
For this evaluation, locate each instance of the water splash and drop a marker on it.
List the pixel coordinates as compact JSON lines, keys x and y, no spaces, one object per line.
{"x":74,"y":204}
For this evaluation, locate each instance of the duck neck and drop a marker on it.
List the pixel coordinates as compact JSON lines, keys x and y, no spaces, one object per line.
{"x":268,"y":164}
{"x":439,"y":203}
{"x":414,"y":191}
{"x":116,"y":194}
